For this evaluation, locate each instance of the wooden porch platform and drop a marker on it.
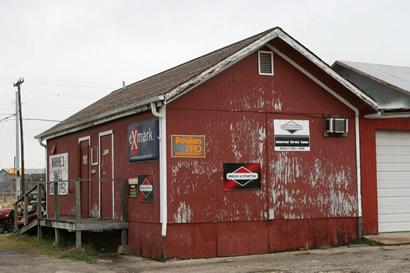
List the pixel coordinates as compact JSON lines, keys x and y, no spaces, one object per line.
{"x":84,"y":224}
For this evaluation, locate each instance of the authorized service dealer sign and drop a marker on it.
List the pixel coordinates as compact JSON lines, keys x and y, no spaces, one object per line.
{"x":291,"y":135}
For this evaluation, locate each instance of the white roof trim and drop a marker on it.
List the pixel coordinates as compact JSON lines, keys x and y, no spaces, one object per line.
{"x":246,"y":51}
{"x":325,"y":67}
{"x":219,"y":67}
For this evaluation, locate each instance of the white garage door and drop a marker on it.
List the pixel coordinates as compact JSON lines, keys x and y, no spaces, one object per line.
{"x":393,"y":180}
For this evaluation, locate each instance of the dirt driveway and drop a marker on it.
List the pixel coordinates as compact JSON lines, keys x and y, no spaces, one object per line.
{"x":336,"y":260}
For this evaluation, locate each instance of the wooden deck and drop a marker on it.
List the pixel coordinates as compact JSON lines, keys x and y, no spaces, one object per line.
{"x":84,"y":224}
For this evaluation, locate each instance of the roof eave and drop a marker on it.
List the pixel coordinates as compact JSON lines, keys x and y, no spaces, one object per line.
{"x":141,"y":106}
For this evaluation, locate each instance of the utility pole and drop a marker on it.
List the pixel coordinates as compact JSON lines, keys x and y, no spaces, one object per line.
{"x":20,"y":118}
{"x":17,"y":158}
{"x":23,"y":185}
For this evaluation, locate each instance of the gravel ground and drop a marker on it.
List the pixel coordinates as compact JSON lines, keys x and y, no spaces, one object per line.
{"x":335,"y":260}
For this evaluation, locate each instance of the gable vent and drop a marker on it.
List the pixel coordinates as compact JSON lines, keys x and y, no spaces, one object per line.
{"x":265,"y":60}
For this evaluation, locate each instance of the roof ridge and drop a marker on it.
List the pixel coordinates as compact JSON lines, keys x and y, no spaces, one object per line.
{"x":199,"y":57}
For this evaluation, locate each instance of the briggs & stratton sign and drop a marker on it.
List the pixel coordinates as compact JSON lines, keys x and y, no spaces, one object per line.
{"x":143,"y":143}
{"x":242,"y":176}
{"x":146,"y":193}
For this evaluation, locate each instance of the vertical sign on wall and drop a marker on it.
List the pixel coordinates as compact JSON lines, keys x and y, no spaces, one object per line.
{"x":242,"y":176}
{"x":58,"y":166}
{"x":143,"y":143}
{"x":291,"y":135}
{"x":146,"y":188}
{"x":132,"y":187}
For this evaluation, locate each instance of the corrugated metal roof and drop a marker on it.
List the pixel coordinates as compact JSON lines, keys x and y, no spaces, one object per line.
{"x":388,"y":85}
{"x":175,"y":81}
{"x":390,"y":75}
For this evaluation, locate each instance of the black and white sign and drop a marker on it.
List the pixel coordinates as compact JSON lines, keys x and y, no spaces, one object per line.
{"x":59,"y":172}
{"x":242,"y":176}
{"x":145,"y":183}
{"x":291,"y":135}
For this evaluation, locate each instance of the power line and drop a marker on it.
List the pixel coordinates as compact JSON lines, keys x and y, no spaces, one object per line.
{"x":42,"y":119}
{"x":6,"y":118}
{"x":29,"y":119}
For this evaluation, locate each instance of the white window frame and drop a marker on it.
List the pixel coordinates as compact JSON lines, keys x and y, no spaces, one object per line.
{"x":94,"y":161}
{"x":259,"y":62}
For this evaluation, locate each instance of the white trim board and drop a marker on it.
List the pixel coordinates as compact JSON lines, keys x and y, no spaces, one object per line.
{"x":83,"y":139}
{"x":101,"y":134}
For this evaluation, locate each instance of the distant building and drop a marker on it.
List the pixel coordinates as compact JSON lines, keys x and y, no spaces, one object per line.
{"x":6,"y":181}
{"x":7,"y":178}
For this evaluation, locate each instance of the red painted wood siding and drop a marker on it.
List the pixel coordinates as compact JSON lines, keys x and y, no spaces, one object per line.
{"x":235,"y":111}
{"x":141,"y":216}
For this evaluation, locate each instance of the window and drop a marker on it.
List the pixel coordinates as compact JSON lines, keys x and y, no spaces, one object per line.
{"x":94,"y":155}
{"x":336,"y":126}
{"x":265,"y":63}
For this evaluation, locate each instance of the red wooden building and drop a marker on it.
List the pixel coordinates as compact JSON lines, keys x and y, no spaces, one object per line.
{"x":385,"y":151}
{"x":252,"y":148}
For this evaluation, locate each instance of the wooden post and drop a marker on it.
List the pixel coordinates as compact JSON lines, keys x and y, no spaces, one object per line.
{"x":78,"y":239}
{"x":123,"y":248}
{"x":78,"y":212}
{"x":25,"y":209}
{"x":124,"y":201}
{"x":39,"y":212}
{"x":56,"y":207}
{"x":124,"y":239}
{"x":16,"y":228}
{"x":56,"y":214}
{"x":77,"y":200}
{"x":56,"y":237}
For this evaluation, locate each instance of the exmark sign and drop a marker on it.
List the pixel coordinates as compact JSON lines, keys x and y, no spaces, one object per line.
{"x":291,"y":135}
{"x":143,"y":143}
{"x":242,"y":176}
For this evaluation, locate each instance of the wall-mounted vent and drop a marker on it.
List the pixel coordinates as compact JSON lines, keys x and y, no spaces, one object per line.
{"x":336,"y":126}
{"x":265,"y":63}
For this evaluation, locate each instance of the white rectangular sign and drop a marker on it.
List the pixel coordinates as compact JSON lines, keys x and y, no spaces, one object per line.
{"x":58,"y":171}
{"x":291,"y":135}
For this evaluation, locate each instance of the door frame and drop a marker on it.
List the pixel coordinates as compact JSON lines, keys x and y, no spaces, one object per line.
{"x":101,"y":134}
{"x":81,"y":139}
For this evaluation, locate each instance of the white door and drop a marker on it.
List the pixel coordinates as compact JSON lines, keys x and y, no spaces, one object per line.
{"x":393,"y":180}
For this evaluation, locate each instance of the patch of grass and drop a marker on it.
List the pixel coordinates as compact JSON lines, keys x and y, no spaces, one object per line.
{"x":45,"y":246}
{"x":364,"y":241}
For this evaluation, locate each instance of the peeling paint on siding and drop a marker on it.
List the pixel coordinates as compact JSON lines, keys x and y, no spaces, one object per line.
{"x":300,"y":190}
{"x":277,"y":105}
{"x":183,"y":214}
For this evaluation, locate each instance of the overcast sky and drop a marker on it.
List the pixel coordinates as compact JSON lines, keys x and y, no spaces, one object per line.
{"x":72,"y":53}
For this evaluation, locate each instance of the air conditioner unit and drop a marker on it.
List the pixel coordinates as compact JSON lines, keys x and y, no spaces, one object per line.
{"x":336,"y":126}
